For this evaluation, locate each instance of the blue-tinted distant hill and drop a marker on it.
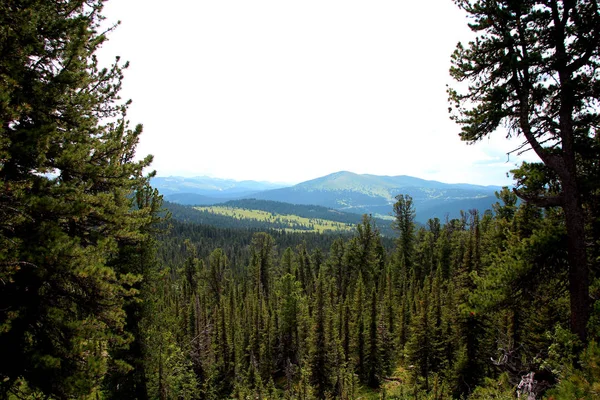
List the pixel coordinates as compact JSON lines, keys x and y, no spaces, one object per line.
{"x":345,"y":191}
{"x":374,"y":194}
{"x":207,"y":190}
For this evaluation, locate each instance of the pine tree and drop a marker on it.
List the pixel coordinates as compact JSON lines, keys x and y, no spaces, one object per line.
{"x":532,"y":69}
{"x":217,"y":274}
{"x":468,"y":324}
{"x":262,"y":262}
{"x":437,"y":337}
{"x":404,"y":213}
{"x":374,"y":363}
{"x":388,"y":323}
{"x":304,"y":271}
{"x":358,"y":336}
{"x":287,"y":261}
{"x":419,"y":346}
{"x":363,"y":253}
{"x":137,"y":258}
{"x":319,"y":351}
{"x":67,"y":179}
{"x":338,"y":268}
{"x":289,"y":292}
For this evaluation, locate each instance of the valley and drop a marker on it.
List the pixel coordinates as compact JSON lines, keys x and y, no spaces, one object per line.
{"x":342,"y":191}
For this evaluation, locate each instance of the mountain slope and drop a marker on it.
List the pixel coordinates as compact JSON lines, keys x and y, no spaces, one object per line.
{"x":310,"y":211}
{"x":345,"y":191}
{"x":210,"y":187}
{"x":375,"y":194}
{"x":268,"y":215}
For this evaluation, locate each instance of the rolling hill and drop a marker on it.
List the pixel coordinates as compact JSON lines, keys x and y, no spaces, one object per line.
{"x":375,"y":195}
{"x":207,"y":187}
{"x":344,"y":191}
{"x":267,"y":215}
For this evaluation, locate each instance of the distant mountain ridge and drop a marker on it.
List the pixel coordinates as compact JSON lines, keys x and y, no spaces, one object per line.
{"x":374,"y":194}
{"x":210,"y":187}
{"x":345,"y":191}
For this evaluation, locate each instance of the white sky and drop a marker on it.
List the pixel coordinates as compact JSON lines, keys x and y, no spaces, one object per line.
{"x":288,"y":91}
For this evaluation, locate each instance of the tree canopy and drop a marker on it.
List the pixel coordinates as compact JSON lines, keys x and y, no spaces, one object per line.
{"x":532,"y":69}
{"x":69,"y":216}
{"x":98,"y":301}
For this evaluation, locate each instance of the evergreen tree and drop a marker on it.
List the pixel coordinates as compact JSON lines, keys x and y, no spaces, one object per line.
{"x":262,"y":262}
{"x":304,"y":270}
{"x":67,"y":179}
{"x":217,"y":274}
{"x":138,"y":258}
{"x":319,"y":352}
{"x":338,"y":268}
{"x":437,"y":338}
{"x":532,"y":69}
{"x":374,"y":360}
{"x":287,"y":261}
{"x":419,"y":347}
{"x":363,"y":253}
{"x":467,"y":324}
{"x":388,"y":323}
{"x":290,"y":292}
{"x":358,"y":335}
{"x":404,"y":214}
{"x":497,"y":293}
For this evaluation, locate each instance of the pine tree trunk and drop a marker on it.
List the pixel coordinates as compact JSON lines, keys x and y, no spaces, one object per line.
{"x":578,"y":266}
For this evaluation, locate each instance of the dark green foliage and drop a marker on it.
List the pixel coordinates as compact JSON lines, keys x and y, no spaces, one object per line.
{"x":374,"y":358}
{"x":95,"y":302}
{"x":74,"y":238}
{"x":532,"y":69}
{"x":274,"y":317}
{"x":404,"y":213}
{"x":136,"y":257}
{"x":320,"y":348}
{"x":186,"y":213}
{"x":365,"y":254}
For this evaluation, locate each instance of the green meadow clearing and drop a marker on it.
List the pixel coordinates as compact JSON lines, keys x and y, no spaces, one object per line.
{"x":289,"y":223}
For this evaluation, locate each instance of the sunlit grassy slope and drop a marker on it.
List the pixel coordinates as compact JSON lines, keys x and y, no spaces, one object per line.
{"x":290,"y":223}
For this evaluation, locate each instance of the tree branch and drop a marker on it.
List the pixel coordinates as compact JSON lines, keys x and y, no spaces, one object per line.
{"x":541,"y":201}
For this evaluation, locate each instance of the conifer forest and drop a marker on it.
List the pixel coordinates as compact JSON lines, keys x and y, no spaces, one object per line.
{"x":104,"y":294}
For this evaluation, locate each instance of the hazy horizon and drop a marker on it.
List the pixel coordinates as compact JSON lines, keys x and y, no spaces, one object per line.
{"x":192,"y":175}
{"x":285,"y":92}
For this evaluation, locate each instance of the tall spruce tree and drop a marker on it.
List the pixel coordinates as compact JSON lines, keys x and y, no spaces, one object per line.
{"x":419,"y":347}
{"x":136,"y":257}
{"x":404,"y":213}
{"x":374,"y":363}
{"x":67,"y":178}
{"x":319,"y":351}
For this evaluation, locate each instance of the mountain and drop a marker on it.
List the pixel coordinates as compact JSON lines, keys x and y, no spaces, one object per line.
{"x":194,"y":199}
{"x":345,"y":191}
{"x":207,"y":190}
{"x":376,"y":194}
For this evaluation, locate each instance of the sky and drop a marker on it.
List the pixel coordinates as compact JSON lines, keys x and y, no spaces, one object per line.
{"x":290,"y":90}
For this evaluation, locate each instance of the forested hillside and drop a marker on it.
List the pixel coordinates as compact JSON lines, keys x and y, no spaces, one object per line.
{"x":106,"y":294}
{"x":375,"y":195}
{"x":268,"y":215}
{"x":460,"y":309}
{"x":345,"y":191}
